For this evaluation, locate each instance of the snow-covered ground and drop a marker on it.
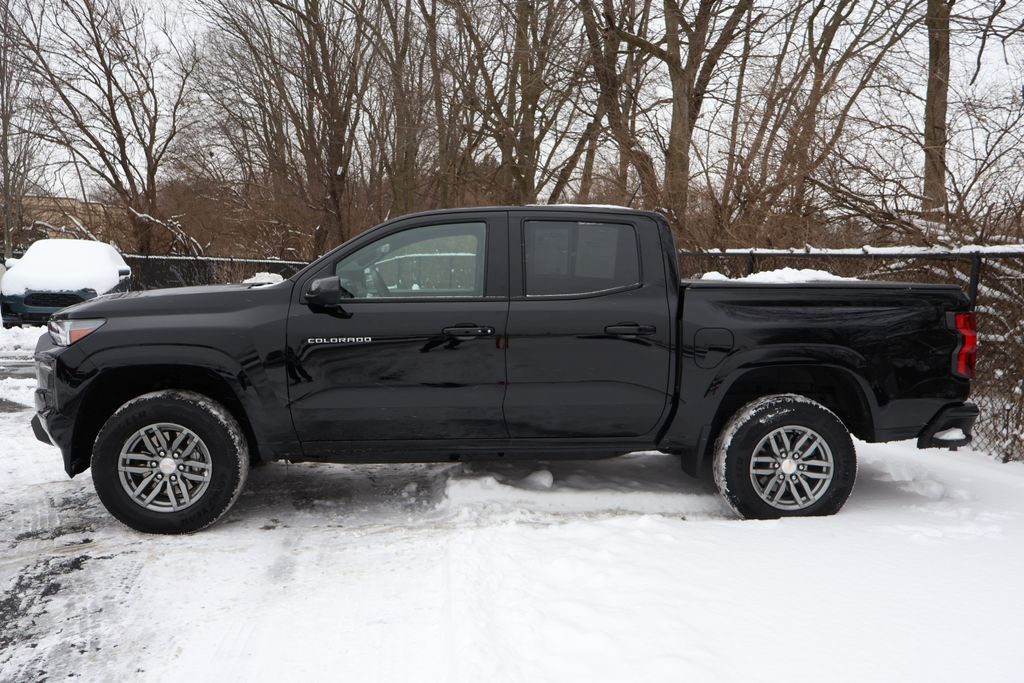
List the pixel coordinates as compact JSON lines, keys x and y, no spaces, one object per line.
{"x":617,"y":570}
{"x":17,"y":343}
{"x":16,"y":346}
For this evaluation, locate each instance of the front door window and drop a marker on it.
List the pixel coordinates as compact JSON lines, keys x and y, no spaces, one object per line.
{"x":445,"y":260}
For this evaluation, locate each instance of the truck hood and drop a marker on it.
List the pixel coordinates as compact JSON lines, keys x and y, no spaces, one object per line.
{"x":177,"y":300}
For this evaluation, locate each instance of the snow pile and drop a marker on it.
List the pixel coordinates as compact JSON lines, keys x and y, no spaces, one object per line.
{"x":569,"y":205}
{"x":969,"y":249}
{"x":263,"y":278}
{"x":64,"y":266}
{"x":20,"y":341}
{"x":634,"y":484}
{"x":783,"y":275}
{"x":20,"y":390}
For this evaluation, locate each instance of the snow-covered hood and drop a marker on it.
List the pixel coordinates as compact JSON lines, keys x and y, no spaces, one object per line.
{"x":54,"y":265}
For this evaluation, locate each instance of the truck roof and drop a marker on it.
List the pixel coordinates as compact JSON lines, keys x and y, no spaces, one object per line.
{"x":566,"y":208}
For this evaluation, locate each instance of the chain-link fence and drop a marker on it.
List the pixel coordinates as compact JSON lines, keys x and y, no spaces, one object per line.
{"x":152,"y":272}
{"x":994,"y":280}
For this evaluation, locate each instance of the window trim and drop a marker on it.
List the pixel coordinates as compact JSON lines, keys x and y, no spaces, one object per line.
{"x":526,"y":296}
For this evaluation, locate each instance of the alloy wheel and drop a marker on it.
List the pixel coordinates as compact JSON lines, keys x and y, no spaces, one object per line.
{"x":165,"y":467}
{"x":791,"y":468}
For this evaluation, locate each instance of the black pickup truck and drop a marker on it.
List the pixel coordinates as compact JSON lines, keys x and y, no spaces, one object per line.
{"x":515,"y":332}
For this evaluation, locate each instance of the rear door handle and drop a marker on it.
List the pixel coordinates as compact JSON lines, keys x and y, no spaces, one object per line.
{"x":630,"y":330}
{"x":466,"y":331}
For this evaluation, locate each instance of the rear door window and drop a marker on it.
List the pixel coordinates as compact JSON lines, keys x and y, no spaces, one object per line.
{"x":578,"y":257}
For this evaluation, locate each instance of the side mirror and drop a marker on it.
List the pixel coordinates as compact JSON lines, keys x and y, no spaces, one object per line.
{"x":326,"y":292}
{"x":9,"y":263}
{"x":124,"y":273}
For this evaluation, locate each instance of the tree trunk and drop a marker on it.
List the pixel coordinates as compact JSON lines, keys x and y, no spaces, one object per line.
{"x":680,"y":135}
{"x":933,"y":203}
{"x":6,"y":132}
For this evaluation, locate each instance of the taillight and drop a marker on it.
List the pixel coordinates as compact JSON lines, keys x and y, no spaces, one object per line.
{"x":967,"y":353}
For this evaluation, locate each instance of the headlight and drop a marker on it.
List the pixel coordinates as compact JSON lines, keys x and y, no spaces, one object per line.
{"x":67,"y":332}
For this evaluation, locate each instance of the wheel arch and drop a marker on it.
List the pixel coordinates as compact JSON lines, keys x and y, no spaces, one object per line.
{"x":835,"y":387}
{"x":114,"y":387}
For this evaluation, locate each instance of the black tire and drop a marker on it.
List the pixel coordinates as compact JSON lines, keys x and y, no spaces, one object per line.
{"x":755,"y":429}
{"x":222,"y":440}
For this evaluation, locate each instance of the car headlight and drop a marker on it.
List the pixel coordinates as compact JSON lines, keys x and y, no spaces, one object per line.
{"x":67,"y":332}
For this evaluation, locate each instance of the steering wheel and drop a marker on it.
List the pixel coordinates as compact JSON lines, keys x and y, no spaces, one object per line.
{"x":378,"y":282}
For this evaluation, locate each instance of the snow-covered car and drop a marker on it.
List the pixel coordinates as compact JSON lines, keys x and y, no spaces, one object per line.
{"x":54,"y":274}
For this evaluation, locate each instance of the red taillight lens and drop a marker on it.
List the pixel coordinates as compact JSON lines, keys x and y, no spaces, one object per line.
{"x":967,"y":354}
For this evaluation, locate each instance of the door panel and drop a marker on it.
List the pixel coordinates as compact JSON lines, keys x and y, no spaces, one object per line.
{"x":410,"y":381}
{"x":402,"y":362}
{"x":587,"y":364}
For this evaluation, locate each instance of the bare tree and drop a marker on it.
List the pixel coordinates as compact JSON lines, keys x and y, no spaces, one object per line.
{"x":980,"y":22}
{"x":19,"y":122}
{"x":117,"y":85}
{"x":618,"y":74}
{"x":696,"y":39}
{"x":790,"y":112}
{"x":403,"y":87}
{"x":524,"y":57}
{"x":745,"y":122}
{"x":288,"y":98}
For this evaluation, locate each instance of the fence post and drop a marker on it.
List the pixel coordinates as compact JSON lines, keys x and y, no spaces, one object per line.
{"x":750,"y":263}
{"x":972,"y":289}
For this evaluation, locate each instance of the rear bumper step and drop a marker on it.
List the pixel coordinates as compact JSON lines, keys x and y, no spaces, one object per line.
{"x":951,"y":427}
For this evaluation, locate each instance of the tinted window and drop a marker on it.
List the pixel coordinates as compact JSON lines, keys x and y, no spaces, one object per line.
{"x":568,"y":257}
{"x":433,"y":260}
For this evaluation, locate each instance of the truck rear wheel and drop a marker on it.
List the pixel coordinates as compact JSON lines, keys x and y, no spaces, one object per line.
{"x":170,"y":462}
{"x":784,"y":456}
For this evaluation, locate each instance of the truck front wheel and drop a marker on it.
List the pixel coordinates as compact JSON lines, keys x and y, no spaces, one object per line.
{"x":784,"y":456}
{"x":170,"y":462}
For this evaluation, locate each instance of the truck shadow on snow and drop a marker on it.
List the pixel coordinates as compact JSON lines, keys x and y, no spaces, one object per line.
{"x":640,"y":483}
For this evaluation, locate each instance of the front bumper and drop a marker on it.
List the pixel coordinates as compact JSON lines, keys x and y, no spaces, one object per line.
{"x":53,"y":422}
{"x":941,"y":432}
{"x":13,"y":313}
{"x":39,"y":429}
{"x":14,"y":309}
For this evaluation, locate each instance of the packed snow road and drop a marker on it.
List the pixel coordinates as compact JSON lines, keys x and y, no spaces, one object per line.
{"x":619,"y":570}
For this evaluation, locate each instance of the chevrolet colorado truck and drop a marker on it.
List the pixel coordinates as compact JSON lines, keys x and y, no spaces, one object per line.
{"x":509,"y":332}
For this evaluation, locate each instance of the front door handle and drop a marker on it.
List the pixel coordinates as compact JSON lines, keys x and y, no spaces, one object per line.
{"x":630,"y":330}
{"x":467,"y":331}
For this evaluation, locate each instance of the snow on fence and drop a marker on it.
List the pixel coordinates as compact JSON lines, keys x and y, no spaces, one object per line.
{"x":993,"y":278}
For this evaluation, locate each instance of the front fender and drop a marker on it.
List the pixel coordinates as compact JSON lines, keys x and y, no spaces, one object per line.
{"x":88,"y":390}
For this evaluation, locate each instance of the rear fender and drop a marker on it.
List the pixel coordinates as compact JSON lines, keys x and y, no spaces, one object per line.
{"x":709,"y":397}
